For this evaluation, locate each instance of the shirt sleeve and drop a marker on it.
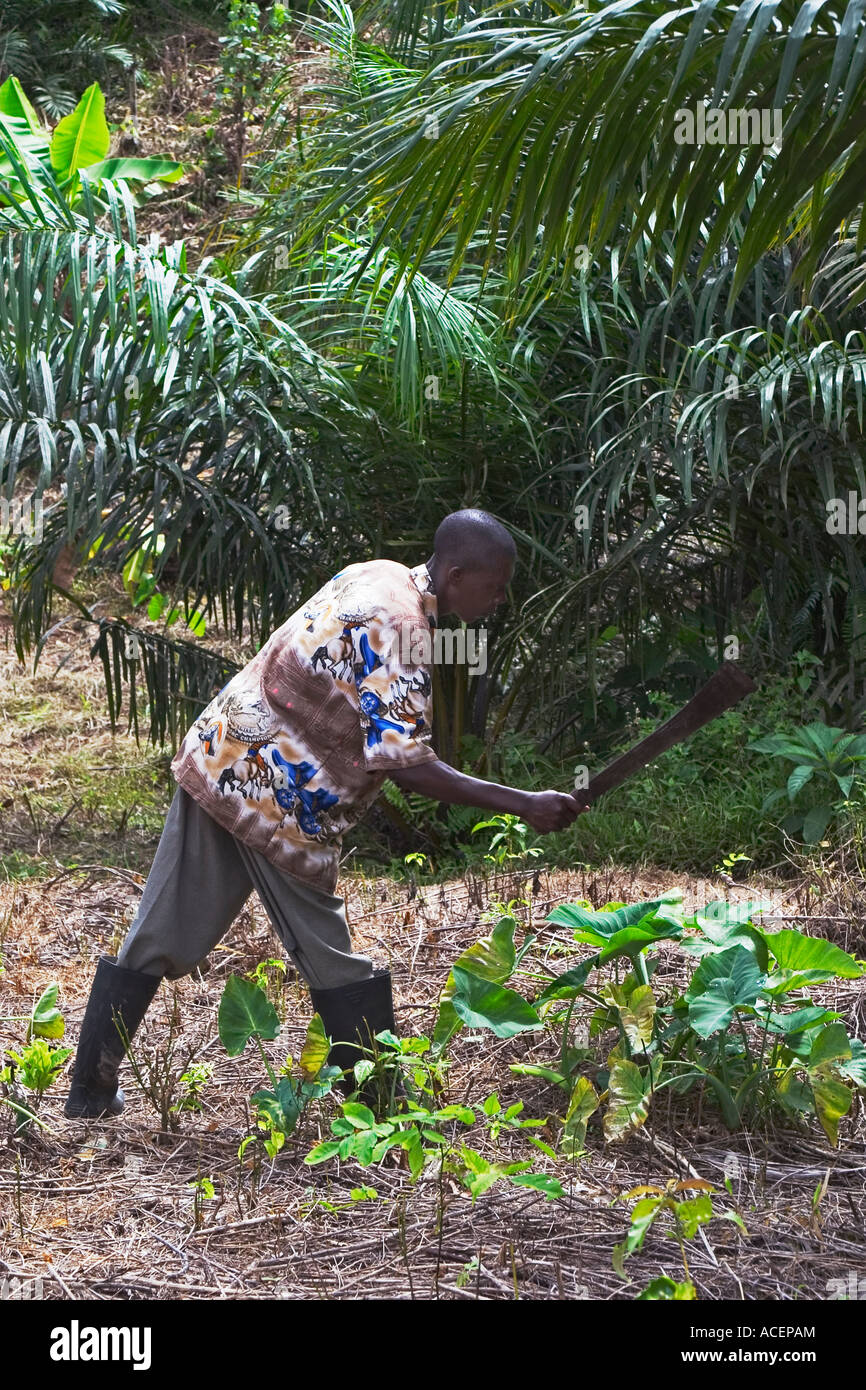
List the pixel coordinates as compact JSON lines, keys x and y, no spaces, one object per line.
{"x":393,"y":665}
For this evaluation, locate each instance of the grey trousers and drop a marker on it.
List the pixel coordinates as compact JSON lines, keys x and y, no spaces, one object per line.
{"x":200,"y":879}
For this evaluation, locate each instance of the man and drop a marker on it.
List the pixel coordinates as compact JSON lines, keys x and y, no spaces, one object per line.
{"x":283,"y":761}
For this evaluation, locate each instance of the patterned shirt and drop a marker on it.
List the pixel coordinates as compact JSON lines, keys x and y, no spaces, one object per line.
{"x":295,"y":748}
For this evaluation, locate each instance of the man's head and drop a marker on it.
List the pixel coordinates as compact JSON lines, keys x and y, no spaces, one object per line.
{"x":472,"y":564}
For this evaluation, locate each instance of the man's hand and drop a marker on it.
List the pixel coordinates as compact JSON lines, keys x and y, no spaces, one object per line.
{"x":549,"y":811}
{"x":544,"y":811}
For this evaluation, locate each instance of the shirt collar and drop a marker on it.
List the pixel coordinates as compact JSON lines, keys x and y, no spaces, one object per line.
{"x":420,"y":577}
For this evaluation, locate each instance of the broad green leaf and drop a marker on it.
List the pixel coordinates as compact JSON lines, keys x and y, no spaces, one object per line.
{"x":602,"y":925}
{"x":722,"y":983}
{"x":545,"y":1148}
{"x":637,"y":1017}
{"x":643,"y":1214}
{"x":282,"y":1109}
{"x":798,"y":1021}
{"x":663,"y":1288}
{"x":632,"y":939}
{"x":483,"y":1004}
{"x":569,"y":982}
{"x":414,"y":1150}
{"x":456,"y":1112}
{"x":694,"y":1212}
{"x":818,"y":736}
{"x":779,"y":746}
{"x":322,"y":1152}
{"x":780,"y":982}
{"x":794,"y":950}
{"x":81,"y":138}
{"x":136,"y":170}
{"x":551,"y":1187}
{"x":491,"y":958}
{"x":14,"y":102}
{"x":22,"y":128}
{"x":359,"y":1116}
{"x":46,"y":1020}
{"x":798,"y":778}
{"x":314,"y":1053}
{"x":815,"y":823}
{"x":364,"y":1147}
{"x":721,"y":965}
{"x":715,"y":1008}
{"x":856,"y":1066}
{"x":629,"y":1099}
{"x":715,"y":917}
{"x":831,"y":1045}
{"x":795,"y":1094}
{"x":832,"y":1102}
{"x":729,"y":924}
{"x":244,"y":1010}
{"x":584,"y":1102}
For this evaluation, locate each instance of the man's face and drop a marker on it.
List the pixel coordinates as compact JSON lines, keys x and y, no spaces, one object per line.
{"x":478,"y":593}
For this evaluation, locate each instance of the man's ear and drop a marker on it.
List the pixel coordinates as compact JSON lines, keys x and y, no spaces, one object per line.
{"x":455,"y":574}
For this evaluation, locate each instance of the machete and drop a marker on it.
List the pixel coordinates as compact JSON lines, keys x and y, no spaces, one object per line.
{"x":725,"y":688}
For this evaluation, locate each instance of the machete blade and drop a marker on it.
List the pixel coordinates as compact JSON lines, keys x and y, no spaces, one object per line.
{"x":725,"y":688}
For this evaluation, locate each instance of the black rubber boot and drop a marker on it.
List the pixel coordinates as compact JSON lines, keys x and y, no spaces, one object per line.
{"x":117,"y":996}
{"x":352,"y":1015}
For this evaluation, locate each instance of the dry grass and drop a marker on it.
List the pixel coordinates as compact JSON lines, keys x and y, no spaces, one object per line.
{"x":104,"y":1210}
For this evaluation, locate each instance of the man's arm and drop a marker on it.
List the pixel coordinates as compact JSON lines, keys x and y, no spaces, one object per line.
{"x":544,"y":811}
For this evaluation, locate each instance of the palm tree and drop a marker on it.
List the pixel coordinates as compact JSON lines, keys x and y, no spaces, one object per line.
{"x":563,"y":134}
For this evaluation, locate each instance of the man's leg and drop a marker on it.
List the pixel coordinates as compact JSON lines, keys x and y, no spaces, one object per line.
{"x":311,"y":924}
{"x":196,"y":887}
{"x":353,"y":999}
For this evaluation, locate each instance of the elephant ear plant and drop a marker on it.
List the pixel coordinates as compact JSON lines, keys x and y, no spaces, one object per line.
{"x":745,"y":1027}
{"x":245,"y":1012}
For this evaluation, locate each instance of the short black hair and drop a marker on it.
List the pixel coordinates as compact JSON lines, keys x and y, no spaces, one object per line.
{"x":474,"y":540}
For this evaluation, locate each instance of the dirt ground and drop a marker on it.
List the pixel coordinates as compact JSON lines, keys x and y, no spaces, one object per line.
{"x":105,"y":1210}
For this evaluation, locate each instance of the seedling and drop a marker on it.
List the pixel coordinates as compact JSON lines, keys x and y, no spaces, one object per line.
{"x":687,"y":1216}
{"x":730,"y":862}
{"x":478,"y":1175}
{"x":269,"y":975}
{"x":393,"y":1067}
{"x":245,"y":1012}
{"x":418,"y":1132}
{"x":37,"y":1065}
{"x":509,"y":842}
{"x":194,"y":1080}
{"x":203,"y":1191}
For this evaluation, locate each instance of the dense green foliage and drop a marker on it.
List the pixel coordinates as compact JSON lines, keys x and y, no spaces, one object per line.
{"x":452,"y":282}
